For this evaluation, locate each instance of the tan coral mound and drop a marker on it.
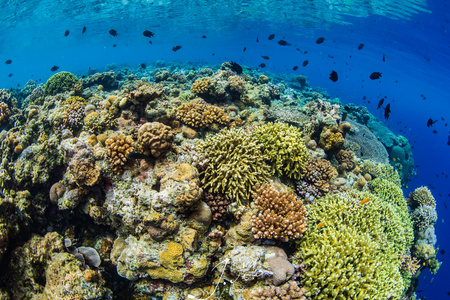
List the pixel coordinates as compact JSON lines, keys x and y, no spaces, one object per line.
{"x":199,"y":114}
{"x":155,"y":138}
{"x":281,"y":216}
{"x":320,"y":173}
{"x":84,"y":172}
{"x":201,"y":86}
{"x":118,"y":147}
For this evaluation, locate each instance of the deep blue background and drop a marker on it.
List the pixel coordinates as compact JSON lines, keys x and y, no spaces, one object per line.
{"x":417,"y":63}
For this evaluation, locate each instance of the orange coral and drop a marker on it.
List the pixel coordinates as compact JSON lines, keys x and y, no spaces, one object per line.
{"x":118,"y":147}
{"x":201,"y":86}
{"x":281,"y":216}
{"x":199,"y":114}
{"x":155,"y":138}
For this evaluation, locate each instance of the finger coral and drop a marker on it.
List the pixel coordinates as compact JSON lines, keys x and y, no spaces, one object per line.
{"x":155,"y":139}
{"x":218,"y":204}
{"x":284,"y":147}
{"x":235,"y":164}
{"x":280,"y":215}
{"x":200,"y":114}
{"x":118,"y":147}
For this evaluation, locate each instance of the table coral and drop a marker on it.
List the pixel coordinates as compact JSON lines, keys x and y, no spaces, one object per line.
{"x":235,"y":164}
{"x":59,"y":83}
{"x":118,"y":147}
{"x":200,"y":114}
{"x":280,"y":215}
{"x":284,"y":147}
{"x":155,"y":139}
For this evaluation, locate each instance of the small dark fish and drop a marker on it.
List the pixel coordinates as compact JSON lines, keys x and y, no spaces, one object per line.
{"x":271,"y":36}
{"x":8,"y":62}
{"x":263,"y":65}
{"x":344,"y":116}
{"x":143,"y":66}
{"x":283,"y":43}
{"x":84,"y":30}
{"x":148,"y":33}
{"x":334,"y":76}
{"x":265,"y":57}
{"x":375,"y":75}
{"x":305,"y":63}
{"x":448,"y":142}
{"x":360,"y":46}
{"x":346,"y":108}
{"x":387,"y":111}
{"x":435,"y":131}
{"x":113,"y":32}
{"x":384,"y":58}
{"x":442,"y":118}
{"x":236,"y":67}
{"x":203,"y":36}
{"x":257,"y":39}
{"x":10,"y":75}
{"x":419,"y":291}
{"x":295,"y":68}
{"x":445,"y":204}
{"x":136,"y":155}
{"x":320,"y":40}
{"x":430,"y":122}
{"x":245,"y":48}
{"x":54,"y":68}
{"x":380,"y":103}
{"x":115,"y":45}
{"x":176,"y":48}
{"x":66,"y":33}
{"x":150,"y":42}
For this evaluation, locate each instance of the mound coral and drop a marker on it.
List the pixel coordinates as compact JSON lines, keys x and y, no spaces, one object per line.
{"x":4,"y":112}
{"x":59,"y":83}
{"x":346,"y":159}
{"x":201,"y":86}
{"x":331,"y":139}
{"x":319,"y":172}
{"x":422,"y":196}
{"x":235,"y":164}
{"x":200,"y":114}
{"x":146,"y":92}
{"x":284,"y":148}
{"x":118,"y":147}
{"x":289,"y":290}
{"x":280,"y":215}
{"x":155,"y":139}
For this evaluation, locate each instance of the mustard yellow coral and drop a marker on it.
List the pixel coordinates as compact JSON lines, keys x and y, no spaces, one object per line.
{"x":200,"y":114}
{"x":155,"y":138}
{"x":201,"y":86}
{"x":118,"y":147}
{"x":84,"y":172}
{"x":331,"y":139}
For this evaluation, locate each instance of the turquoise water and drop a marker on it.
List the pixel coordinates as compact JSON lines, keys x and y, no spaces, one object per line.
{"x":411,"y":35}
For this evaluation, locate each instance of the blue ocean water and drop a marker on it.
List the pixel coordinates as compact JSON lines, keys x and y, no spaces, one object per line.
{"x":411,"y":35}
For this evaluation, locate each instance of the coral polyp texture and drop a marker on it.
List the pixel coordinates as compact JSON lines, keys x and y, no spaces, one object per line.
{"x":280,"y":216}
{"x":235,"y":164}
{"x":172,"y":181}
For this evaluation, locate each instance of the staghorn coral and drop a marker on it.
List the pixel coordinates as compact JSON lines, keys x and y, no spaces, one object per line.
{"x":4,"y":112}
{"x":331,"y":139}
{"x":199,"y":114}
{"x":84,"y":171}
{"x":320,"y":173}
{"x":201,"y":86}
{"x":118,"y":147}
{"x":422,"y":196}
{"x":235,"y":164}
{"x":346,"y":159}
{"x":280,"y":215}
{"x":218,"y":204}
{"x":155,"y":139}
{"x":289,"y":290}
{"x":284,"y":148}
{"x":59,"y":83}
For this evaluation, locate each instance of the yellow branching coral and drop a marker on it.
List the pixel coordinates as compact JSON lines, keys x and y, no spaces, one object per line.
{"x":280,"y":215}
{"x":155,"y":138}
{"x":235,"y":164}
{"x":200,"y":114}
{"x":118,"y":147}
{"x":201,"y":86}
{"x":84,"y":172}
{"x":284,"y":147}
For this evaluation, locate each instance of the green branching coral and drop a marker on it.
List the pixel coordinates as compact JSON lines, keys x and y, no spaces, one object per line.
{"x":351,"y":233}
{"x":235,"y":164}
{"x":59,"y":83}
{"x":284,"y":147}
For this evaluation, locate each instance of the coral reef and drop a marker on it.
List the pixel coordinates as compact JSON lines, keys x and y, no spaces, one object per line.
{"x":59,"y":83}
{"x":118,"y":147}
{"x":280,"y":216}
{"x":289,"y":290}
{"x":155,"y":139}
{"x":319,"y":173}
{"x":4,"y":112}
{"x":218,"y":204}
{"x":199,"y":114}
{"x":201,"y":86}
{"x":331,"y":139}
{"x":346,"y":159}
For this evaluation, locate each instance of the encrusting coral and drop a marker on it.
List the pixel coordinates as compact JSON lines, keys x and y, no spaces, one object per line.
{"x":155,"y":139}
{"x":280,"y":215}
{"x":118,"y":147}
{"x":84,"y":172}
{"x":235,"y":164}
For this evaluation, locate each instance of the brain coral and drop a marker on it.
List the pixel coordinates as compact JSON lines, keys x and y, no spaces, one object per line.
{"x":235,"y":164}
{"x":155,"y":138}
{"x":200,"y":114}
{"x":284,"y":147}
{"x":118,"y":147}
{"x":60,"y":83}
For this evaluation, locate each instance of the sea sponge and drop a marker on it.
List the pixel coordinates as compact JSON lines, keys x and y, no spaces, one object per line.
{"x":284,"y":148}
{"x":235,"y":164}
{"x":280,"y":215}
{"x":84,"y":171}
{"x":201,"y":86}
{"x":118,"y":147}
{"x":155,"y":138}
{"x":331,"y":139}
{"x":4,"y":112}
{"x":59,"y":83}
{"x":320,"y":173}
{"x":200,"y":114}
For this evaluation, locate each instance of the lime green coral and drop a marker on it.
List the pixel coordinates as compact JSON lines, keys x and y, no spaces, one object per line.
{"x":235,"y":164}
{"x":59,"y":83}
{"x":351,"y":233}
{"x":284,"y":147}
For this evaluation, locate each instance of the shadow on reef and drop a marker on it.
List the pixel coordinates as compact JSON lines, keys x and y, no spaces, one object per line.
{"x":194,"y":182}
